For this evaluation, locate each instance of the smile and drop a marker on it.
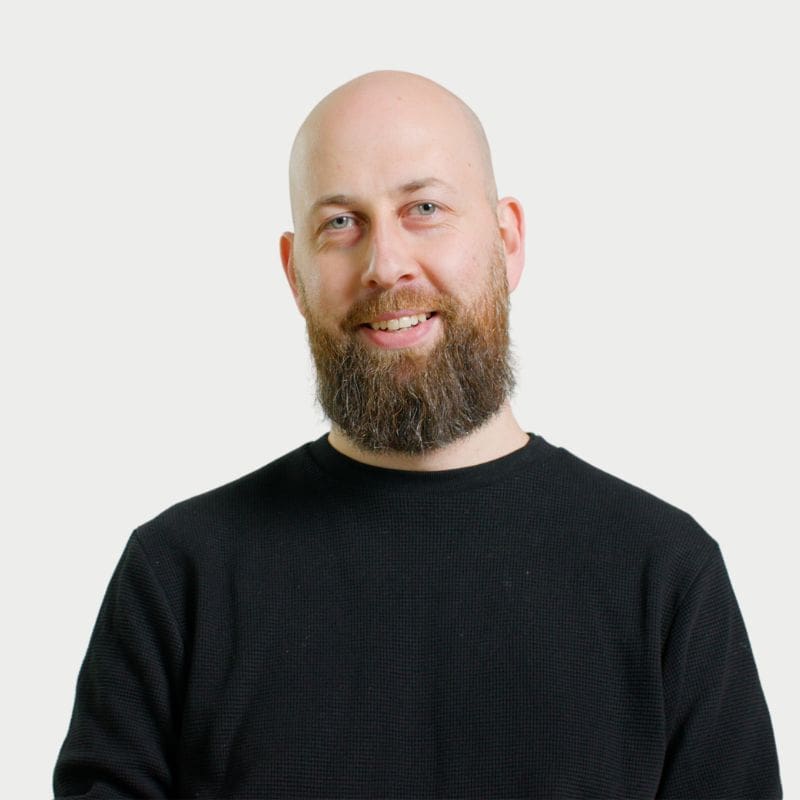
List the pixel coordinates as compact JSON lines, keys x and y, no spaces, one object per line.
{"x":400,"y":323}
{"x":408,"y":328}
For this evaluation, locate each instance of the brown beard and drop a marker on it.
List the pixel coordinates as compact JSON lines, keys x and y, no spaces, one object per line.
{"x":411,"y":402}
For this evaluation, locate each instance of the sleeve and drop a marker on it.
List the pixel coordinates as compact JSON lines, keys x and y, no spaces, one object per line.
{"x":719,"y":739}
{"x":123,"y":733}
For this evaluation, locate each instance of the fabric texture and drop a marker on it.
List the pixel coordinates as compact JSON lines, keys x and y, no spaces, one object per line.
{"x":529,"y":627}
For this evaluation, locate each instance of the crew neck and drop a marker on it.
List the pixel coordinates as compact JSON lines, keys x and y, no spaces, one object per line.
{"x":344,"y":469}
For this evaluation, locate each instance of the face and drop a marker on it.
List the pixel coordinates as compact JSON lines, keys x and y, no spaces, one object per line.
{"x":400,"y":265}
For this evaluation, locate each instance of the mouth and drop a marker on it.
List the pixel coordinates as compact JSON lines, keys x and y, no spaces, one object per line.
{"x":402,"y":329}
{"x":398,"y":323}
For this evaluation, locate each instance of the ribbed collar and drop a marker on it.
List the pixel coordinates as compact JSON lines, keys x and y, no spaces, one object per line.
{"x":343,"y":469}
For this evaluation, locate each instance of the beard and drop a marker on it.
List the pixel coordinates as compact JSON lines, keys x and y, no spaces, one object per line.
{"x":416,"y":400}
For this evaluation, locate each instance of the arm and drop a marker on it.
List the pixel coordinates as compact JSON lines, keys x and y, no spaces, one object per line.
{"x":719,"y":735}
{"x":123,"y":734}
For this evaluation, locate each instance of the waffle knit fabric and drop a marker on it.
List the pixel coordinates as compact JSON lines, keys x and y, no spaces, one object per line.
{"x":530,"y":627}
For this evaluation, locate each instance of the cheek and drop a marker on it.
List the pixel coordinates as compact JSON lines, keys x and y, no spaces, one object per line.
{"x":456,"y":265}
{"x":329,"y":292}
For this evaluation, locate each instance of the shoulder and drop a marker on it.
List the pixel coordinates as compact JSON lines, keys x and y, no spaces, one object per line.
{"x":617,"y":514}
{"x":214,"y":519}
{"x":623,"y":539}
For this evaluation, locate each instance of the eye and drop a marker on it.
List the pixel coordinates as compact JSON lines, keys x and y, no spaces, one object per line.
{"x":426,"y":209}
{"x":340,"y":223}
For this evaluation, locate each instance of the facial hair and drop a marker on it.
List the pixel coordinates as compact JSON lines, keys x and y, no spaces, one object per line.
{"x":408,"y":400}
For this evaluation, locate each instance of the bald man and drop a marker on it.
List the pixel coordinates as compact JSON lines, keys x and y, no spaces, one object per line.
{"x":428,"y":601}
{"x":401,"y":262}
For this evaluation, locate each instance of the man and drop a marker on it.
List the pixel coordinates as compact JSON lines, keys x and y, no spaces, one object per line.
{"x":429,"y":601}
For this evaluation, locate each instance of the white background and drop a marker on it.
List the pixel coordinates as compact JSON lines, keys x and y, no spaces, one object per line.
{"x":151,"y":349}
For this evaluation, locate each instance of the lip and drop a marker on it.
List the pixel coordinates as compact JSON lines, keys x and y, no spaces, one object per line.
{"x":406,"y":312}
{"x":419,"y":334}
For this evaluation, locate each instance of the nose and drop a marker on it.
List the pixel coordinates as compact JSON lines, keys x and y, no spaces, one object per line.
{"x":390,"y":258}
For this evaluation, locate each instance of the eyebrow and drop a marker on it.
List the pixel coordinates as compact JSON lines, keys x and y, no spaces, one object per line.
{"x":406,"y":188}
{"x":423,"y":183}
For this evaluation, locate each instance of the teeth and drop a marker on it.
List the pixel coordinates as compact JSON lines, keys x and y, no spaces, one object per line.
{"x":400,"y":323}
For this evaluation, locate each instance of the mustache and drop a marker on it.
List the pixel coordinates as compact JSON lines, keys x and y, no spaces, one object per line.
{"x":398,"y":300}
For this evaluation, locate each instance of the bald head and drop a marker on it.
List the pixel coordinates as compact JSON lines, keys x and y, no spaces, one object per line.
{"x":394,"y":124}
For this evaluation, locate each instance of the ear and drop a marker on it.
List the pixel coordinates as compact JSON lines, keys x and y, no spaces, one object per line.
{"x":287,"y":259}
{"x":511,"y":220}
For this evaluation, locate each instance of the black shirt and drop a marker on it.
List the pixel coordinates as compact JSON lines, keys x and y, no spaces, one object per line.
{"x":528,"y":627}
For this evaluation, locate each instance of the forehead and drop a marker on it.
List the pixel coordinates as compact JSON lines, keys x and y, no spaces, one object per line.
{"x":371,"y":151}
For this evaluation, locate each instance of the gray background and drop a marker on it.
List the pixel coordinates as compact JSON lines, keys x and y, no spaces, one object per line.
{"x":151,"y":349}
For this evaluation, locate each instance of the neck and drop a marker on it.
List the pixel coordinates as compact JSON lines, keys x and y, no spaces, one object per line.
{"x":498,"y":437}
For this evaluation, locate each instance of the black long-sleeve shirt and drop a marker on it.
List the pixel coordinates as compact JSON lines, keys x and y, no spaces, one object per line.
{"x":528,"y":627}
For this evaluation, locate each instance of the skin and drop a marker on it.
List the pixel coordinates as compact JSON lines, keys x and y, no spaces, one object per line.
{"x":392,"y":188}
